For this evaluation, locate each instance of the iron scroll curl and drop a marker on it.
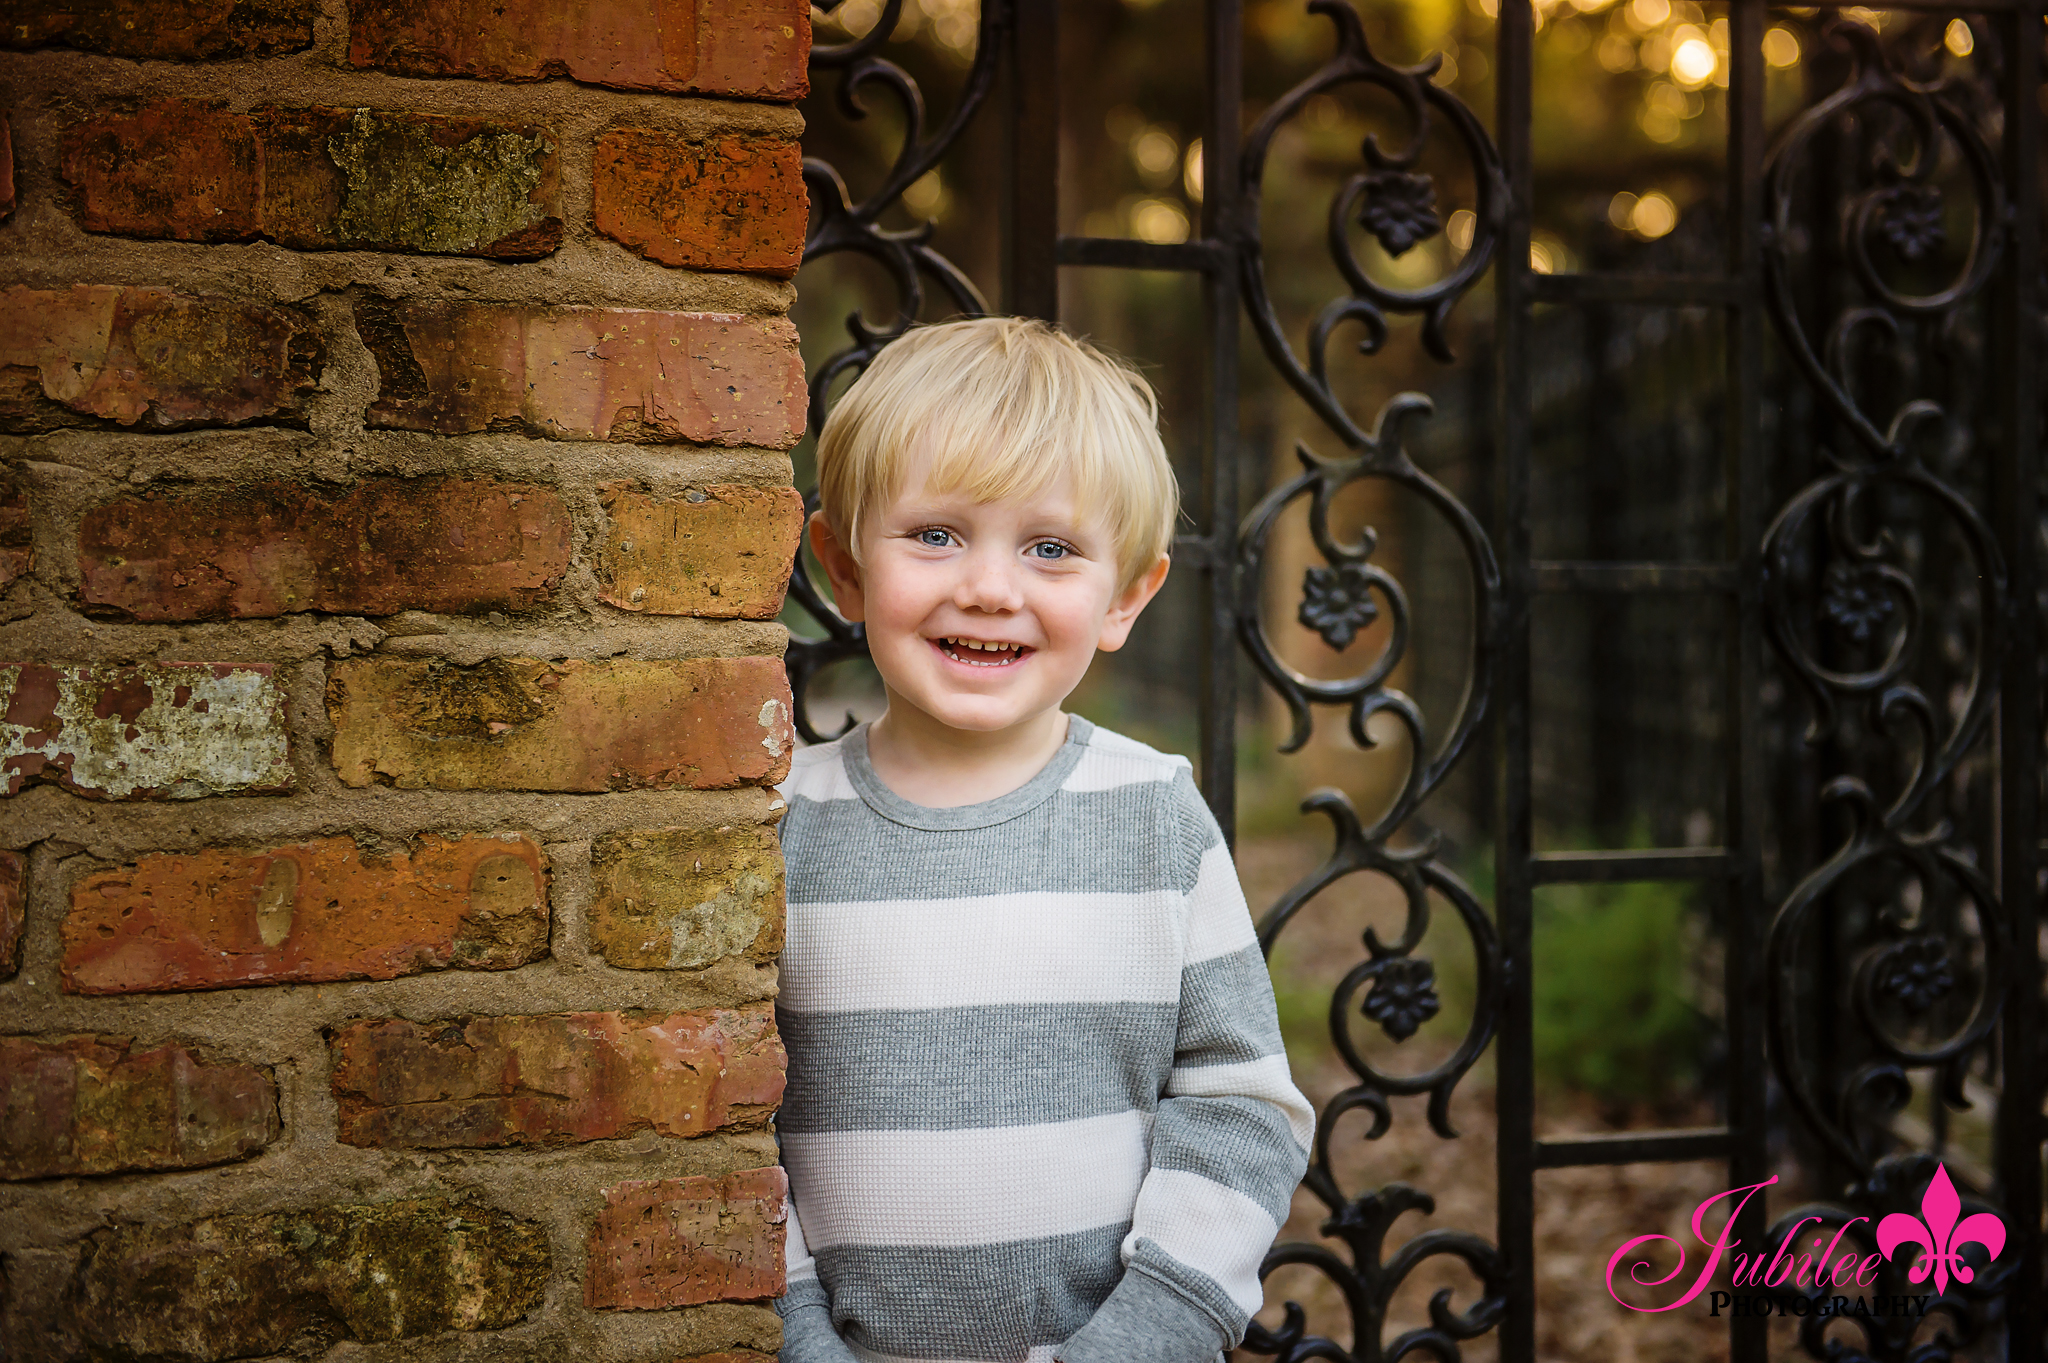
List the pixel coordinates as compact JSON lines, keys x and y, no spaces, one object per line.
{"x":1394,"y":986}
{"x":1928,"y":976}
{"x":841,"y":224}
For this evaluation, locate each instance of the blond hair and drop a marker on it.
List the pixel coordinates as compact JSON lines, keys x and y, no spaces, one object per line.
{"x":1001,"y":407}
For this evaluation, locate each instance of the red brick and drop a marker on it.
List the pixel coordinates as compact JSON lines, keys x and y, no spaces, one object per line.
{"x":524,"y":724}
{"x":670,"y":1242}
{"x":317,"y":178}
{"x":292,"y":1282}
{"x":584,"y":373}
{"x":175,"y":30}
{"x":752,"y":49}
{"x":384,"y":546}
{"x":95,"y":1105}
{"x":498,"y":1081}
{"x":17,"y":534}
{"x":724,"y":553}
{"x":178,"y":731}
{"x":13,"y":910}
{"x":737,"y":203}
{"x":683,"y":898}
{"x":319,"y":910}
{"x":69,"y":357}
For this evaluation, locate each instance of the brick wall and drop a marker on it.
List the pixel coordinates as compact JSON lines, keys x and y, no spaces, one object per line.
{"x":395,"y":398}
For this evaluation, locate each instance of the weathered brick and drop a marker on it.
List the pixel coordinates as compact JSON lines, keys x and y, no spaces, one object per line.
{"x":753,"y":49}
{"x":679,"y":898}
{"x":96,"y":1105}
{"x":17,"y":534}
{"x":383,"y":546}
{"x":177,"y":731}
{"x":319,"y":910}
{"x":69,"y":357}
{"x":670,"y":1242}
{"x":584,"y":373}
{"x":190,"y":170}
{"x":13,"y":910}
{"x":736,"y":203}
{"x":524,"y":724}
{"x":174,"y":30}
{"x":497,"y":1081}
{"x":248,"y":1286}
{"x":724,"y":553}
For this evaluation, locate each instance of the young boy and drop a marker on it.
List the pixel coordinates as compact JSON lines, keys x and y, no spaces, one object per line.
{"x":1037,"y":1106}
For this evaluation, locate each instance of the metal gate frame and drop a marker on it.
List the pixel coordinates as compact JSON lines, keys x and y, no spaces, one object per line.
{"x":1015,"y":74}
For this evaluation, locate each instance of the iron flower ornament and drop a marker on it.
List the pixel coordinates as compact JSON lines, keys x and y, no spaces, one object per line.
{"x":1912,"y":222}
{"x":1400,"y":209}
{"x":1403,"y":996}
{"x":1336,"y":602}
{"x":1916,"y":973}
{"x":1856,"y":600}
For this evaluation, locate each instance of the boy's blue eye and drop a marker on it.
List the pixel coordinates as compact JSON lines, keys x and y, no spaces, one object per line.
{"x":935,"y":537}
{"x":1049,"y":549}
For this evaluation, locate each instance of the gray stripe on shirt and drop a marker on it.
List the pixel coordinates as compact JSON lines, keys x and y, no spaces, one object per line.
{"x":1229,"y":1141}
{"x":952,"y":1069}
{"x":1225,"y":1019}
{"x":976,"y":1302}
{"x":1077,"y":842}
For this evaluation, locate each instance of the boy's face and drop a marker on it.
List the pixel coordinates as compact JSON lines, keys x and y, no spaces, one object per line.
{"x":984,"y":616}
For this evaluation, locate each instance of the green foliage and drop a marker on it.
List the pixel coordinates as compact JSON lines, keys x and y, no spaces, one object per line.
{"x":1611,"y":1012}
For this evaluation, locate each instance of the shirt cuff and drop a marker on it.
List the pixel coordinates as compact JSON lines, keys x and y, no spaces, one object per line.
{"x":1145,"y":1321}
{"x":808,"y":1336}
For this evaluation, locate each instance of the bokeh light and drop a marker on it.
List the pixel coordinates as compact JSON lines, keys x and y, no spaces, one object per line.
{"x":1653,"y":216}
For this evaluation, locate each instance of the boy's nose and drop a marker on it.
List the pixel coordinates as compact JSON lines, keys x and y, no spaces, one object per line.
{"x":987,"y":584}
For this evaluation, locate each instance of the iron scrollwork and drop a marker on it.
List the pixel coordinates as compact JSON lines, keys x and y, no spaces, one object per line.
{"x":907,"y":256}
{"x":1928,"y":981}
{"x":1396,"y":203}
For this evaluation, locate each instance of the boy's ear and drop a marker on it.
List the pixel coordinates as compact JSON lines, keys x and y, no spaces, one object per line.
{"x":840,"y":567}
{"x":1123,"y":612}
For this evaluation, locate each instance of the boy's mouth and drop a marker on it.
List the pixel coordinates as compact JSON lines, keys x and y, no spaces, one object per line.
{"x":981,"y":652}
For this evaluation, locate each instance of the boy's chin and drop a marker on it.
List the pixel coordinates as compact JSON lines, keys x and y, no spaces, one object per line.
{"x":983,"y":718}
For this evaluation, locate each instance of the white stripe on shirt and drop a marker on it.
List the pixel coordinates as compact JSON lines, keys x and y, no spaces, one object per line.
{"x":980,"y":1186}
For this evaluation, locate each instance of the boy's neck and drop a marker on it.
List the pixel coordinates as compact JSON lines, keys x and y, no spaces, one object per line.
{"x":940,"y":767}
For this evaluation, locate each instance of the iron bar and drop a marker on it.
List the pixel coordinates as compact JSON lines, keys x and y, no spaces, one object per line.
{"x":1031,"y":217}
{"x":1635,"y":1147}
{"x":1221,"y":242}
{"x":1639,"y":290}
{"x":1514,"y":831}
{"x":1126,"y":253}
{"x":1743,"y":906}
{"x":1607,"y":868}
{"x":2017,"y":316}
{"x":1548,"y":576}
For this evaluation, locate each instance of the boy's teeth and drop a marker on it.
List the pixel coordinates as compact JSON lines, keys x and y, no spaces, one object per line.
{"x":957,"y":646}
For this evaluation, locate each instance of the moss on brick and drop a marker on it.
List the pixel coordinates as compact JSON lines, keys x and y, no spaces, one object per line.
{"x":418,"y":184}
{"x":681,"y":899}
{"x":239,"y":1286}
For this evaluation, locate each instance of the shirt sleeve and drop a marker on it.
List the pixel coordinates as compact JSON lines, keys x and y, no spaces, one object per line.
{"x":1230,"y":1140}
{"x":807,"y":1333}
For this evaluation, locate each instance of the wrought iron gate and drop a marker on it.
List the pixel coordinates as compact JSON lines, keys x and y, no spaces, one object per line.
{"x":1886,"y":942}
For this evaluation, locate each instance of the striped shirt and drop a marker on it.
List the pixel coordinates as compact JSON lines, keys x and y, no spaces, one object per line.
{"x":1038,"y":1105}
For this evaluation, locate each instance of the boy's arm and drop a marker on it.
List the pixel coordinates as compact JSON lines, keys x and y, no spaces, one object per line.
{"x":807,"y":1333}
{"x":1229,"y":1143}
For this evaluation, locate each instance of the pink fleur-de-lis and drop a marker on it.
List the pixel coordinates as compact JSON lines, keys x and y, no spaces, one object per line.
{"x":1939,"y":1235}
